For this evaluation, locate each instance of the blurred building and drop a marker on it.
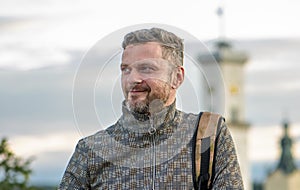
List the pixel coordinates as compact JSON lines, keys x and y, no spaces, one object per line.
{"x":232,"y":64}
{"x":286,"y":176}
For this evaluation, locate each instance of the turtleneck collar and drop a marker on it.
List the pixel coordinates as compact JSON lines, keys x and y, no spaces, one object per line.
{"x":142,"y":123}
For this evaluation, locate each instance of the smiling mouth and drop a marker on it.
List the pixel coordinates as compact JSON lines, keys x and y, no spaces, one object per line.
{"x":137,"y":91}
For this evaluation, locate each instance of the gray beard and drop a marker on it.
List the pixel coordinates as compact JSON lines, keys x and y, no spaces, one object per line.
{"x":140,"y":108}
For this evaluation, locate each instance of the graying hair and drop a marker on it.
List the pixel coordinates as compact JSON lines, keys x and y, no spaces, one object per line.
{"x":172,"y":45}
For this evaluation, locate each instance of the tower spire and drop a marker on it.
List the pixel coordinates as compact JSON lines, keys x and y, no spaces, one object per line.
{"x":220,"y":13}
{"x":286,"y":163}
{"x":221,"y":42}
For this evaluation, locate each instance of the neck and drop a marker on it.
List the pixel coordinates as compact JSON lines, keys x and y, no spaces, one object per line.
{"x":140,"y":122}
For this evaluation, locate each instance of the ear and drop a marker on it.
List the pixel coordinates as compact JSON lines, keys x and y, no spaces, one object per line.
{"x":178,"y":77}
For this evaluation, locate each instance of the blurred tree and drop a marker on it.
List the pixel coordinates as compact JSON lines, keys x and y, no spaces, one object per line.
{"x":14,"y":171}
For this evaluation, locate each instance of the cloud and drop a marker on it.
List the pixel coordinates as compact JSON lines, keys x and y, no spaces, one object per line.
{"x":59,"y":140}
{"x":271,"y":107}
{"x":48,"y":168}
{"x":37,"y":94}
{"x":32,"y":58}
{"x":286,"y":80}
{"x":270,"y":53}
{"x":32,"y":43}
{"x":267,"y":147}
{"x":50,"y":150}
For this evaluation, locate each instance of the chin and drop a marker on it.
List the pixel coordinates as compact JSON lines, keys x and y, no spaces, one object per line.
{"x":138,"y":106}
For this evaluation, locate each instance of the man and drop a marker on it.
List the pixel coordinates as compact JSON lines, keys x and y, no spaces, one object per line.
{"x":151,"y":145}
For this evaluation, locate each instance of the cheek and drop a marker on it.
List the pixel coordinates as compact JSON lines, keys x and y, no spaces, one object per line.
{"x":124,"y":81}
{"x":159,"y":80}
{"x":157,"y":85}
{"x":123,"y":86}
{"x":152,"y":83}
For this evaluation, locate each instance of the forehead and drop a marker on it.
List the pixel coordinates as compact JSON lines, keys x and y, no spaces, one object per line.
{"x":138,"y":52}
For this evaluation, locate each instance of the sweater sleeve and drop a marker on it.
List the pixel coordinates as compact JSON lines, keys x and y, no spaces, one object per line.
{"x":226,"y":174}
{"x":76,"y":174}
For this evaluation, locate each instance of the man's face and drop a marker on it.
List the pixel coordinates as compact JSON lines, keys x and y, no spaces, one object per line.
{"x":146,"y":76}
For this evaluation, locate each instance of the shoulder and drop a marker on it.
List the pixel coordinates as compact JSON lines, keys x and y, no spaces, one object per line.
{"x":224,"y":141}
{"x":98,"y":138}
{"x":191,"y":118}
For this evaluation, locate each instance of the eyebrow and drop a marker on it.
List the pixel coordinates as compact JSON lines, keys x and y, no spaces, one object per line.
{"x":123,"y":65}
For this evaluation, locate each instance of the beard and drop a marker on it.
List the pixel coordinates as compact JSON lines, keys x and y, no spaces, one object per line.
{"x":141,"y":107}
{"x":160,"y":92}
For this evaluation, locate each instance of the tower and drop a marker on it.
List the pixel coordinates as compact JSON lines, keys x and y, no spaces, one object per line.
{"x":286,"y":176}
{"x":232,"y":64}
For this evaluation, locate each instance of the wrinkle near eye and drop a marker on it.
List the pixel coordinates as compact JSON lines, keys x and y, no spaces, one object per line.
{"x":146,"y":68}
{"x":125,"y":69}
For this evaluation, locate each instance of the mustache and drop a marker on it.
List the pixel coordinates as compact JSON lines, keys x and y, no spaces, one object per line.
{"x":139,"y":87}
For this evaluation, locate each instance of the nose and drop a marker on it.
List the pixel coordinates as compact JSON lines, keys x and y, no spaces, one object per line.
{"x":134,"y":77}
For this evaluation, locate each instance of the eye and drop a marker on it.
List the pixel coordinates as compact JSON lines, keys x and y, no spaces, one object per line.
{"x":146,"y":69}
{"x":125,"y":70}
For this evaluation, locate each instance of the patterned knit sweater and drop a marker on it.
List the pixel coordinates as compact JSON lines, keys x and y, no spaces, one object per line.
{"x":148,"y":152}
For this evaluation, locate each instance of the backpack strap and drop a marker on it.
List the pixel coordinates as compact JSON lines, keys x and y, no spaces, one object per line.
{"x":205,"y":146}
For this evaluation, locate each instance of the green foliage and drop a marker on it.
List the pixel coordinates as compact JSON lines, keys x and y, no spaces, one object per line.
{"x":14,"y":171}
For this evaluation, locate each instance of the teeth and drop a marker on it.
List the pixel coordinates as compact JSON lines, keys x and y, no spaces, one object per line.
{"x":137,"y":90}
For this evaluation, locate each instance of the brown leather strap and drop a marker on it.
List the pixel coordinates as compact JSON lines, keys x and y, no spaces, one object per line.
{"x":207,"y":128}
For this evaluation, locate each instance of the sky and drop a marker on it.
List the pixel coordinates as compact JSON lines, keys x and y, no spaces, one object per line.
{"x":42,"y":44}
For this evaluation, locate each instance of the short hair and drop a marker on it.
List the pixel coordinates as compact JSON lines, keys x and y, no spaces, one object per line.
{"x":172,"y":45}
